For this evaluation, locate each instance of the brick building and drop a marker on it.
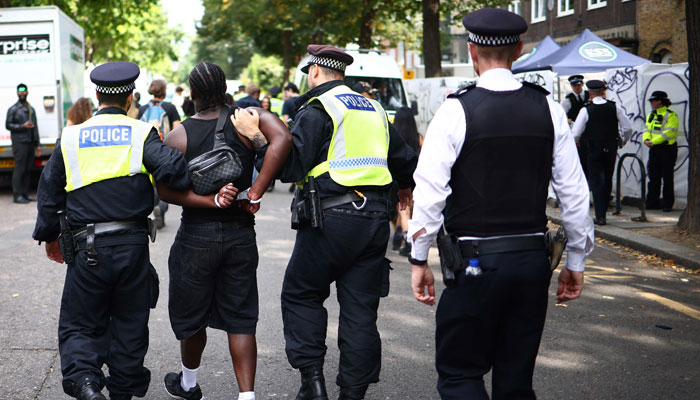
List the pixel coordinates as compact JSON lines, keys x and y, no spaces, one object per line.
{"x":652,"y":29}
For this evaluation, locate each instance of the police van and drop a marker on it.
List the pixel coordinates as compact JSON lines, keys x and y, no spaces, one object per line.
{"x":379,"y":70}
{"x":44,"y":49}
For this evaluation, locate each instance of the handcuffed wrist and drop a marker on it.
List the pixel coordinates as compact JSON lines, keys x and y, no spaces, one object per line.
{"x":216,"y":200}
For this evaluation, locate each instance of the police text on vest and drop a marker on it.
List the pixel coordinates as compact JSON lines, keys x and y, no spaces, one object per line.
{"x":109,"y":135}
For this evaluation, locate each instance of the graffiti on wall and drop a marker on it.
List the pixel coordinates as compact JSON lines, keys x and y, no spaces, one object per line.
{"x":631,"y":88}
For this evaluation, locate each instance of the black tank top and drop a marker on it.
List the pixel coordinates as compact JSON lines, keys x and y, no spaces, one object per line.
{"x":200,"y":139}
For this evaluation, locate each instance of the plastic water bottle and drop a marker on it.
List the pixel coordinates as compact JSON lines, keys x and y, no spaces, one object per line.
{"x":473,"y":268}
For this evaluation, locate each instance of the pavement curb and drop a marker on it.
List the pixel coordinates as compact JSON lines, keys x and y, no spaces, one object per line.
{"x":680,"y":255}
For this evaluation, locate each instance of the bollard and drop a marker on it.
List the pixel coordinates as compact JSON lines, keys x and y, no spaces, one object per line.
{"x":618,"y":206}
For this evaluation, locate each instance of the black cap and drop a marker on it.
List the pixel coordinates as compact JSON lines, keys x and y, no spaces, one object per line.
{"x":21,"y":86}
{"x":576,"y":79}
{"x":274,"y":91}
{"x":327,"y":56}
{"x":595,"y":84}
{"x":494,"y":27}
{"x":115,"y":77}
{"x":659,"y":95}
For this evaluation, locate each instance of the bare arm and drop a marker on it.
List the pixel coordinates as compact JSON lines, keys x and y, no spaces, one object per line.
{"x":275,"y":133}
{"x":177,"y":139}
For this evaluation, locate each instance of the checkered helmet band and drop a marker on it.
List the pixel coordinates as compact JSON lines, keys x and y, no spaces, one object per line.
{"x":115,"y":89}
{"x":493,"y":41}
{"x":328,"y":63}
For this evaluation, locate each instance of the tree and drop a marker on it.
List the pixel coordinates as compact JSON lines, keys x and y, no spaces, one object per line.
{"x":690,"y":219}
{"x":431,"y":38}
{"x":134,"y":30}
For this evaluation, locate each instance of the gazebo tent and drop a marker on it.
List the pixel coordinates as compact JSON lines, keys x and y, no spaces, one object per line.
{"x":546,"y":47}
{"x":585,"y":54}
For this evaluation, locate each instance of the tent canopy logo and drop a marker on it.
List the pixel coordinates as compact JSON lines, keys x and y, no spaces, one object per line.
{"x":597,"y":51}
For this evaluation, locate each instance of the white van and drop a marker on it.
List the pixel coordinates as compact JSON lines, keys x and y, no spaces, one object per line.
{"x":379,"y":70}
{"x":42,"y":48}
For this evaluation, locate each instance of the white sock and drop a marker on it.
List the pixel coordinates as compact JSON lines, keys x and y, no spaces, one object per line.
{"x":246,"y":396}
{"x":189,"y":378}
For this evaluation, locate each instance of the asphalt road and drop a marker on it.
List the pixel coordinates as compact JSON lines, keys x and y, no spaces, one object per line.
{"x":605,"y":345}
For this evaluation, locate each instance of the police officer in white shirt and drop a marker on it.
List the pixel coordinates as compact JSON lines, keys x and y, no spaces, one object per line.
{"x":596,"y":127}
{"x":482,"y":175}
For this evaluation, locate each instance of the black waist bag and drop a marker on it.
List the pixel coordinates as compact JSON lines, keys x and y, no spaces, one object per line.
{"x":214,"y":169}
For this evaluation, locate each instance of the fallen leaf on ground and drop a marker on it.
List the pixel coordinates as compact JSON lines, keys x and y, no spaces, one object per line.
{"x":15,"y":295}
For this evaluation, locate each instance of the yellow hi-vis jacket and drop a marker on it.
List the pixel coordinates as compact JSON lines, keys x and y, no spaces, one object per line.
{"x":105,"y":146}
{"x":661,"y":126}
{"x":357,"y":154}
{"x":276,"y":106}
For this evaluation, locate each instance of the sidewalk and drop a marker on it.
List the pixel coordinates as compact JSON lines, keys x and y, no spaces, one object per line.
{"x":619,"y":229}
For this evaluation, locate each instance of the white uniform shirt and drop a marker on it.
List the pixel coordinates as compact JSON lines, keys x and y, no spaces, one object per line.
{"x":625,"y":125}
{"x":566,"y":103}
{"x":443,"y":142}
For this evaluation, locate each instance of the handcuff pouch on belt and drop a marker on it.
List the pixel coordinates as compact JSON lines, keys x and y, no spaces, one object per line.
{"x":555,"y":244}
{"x":450,"y":255}
{"x":65,"y":239}
{"x":93,"y":229}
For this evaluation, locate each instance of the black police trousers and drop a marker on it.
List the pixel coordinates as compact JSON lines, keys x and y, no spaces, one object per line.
{"x":662,"y":160}
{"x":492,"y":321}
{"x":104,"y":317}
{"x":601,"y":166}
{"x":349,"y":251}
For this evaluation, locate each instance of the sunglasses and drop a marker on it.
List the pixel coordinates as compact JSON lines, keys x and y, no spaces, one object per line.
{"x":22,"y":89}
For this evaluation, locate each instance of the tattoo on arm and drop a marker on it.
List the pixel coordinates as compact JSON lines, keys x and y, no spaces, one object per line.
{"x":258,"y":140}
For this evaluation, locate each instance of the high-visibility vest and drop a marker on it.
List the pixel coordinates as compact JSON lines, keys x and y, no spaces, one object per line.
{"x":357,"y":154}
{"x":105,"y":146}
{"x":661,"y":126}
{"x":276,"y":106}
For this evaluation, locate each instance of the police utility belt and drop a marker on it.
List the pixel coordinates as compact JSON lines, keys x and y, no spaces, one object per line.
{"x":309,"y":209}
{"x":455,"y":253}
{"x":69,"y":238}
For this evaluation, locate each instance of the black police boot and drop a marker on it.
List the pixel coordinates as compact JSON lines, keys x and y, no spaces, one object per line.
{"x":352,"y":393}
{"x":397,"y":239}
{"x":89,"y":391}
{"x":313,"y":384}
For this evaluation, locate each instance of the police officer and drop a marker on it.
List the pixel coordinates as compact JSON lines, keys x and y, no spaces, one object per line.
{"x":99,"y":175}
{"x":572,"y":103}
{"x":483,"y":173}
{"x":345,"y":155}
{"x":597,"y":127}
{"x":660,"y":137}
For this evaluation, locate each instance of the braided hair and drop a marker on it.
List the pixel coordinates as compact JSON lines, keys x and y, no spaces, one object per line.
{"x":208,"y":81}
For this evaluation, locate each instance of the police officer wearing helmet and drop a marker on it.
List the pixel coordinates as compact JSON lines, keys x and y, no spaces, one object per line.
{"x":345,"y":156}
{"x":99,"y":176}
{"x":482,"y":177}
{"x":572,"y":103}
{"x":660,"y":137}
{"x":597,"y":126}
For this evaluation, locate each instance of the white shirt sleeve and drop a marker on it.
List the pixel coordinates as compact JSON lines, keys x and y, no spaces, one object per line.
{"x":580,"y":123}
{"x":443,"y":143}
{"x":569,"y":183}
{"x":625,"y":124}
{"x":566,"y":104}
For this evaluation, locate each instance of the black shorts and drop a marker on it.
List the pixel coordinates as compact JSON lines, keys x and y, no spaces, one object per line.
{"x":213,"y":278}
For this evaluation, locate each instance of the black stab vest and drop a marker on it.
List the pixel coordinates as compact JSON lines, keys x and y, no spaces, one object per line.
{"x":499,"y":180}
{"x":602,"y":122}
{"x":576,"y":104}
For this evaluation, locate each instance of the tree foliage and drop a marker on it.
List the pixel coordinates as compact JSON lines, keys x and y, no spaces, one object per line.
{"x":133,"y":30}
{"x":263,"y":71}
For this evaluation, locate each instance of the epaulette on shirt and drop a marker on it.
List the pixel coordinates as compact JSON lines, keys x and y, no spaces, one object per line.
{"x":461,"y":91}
